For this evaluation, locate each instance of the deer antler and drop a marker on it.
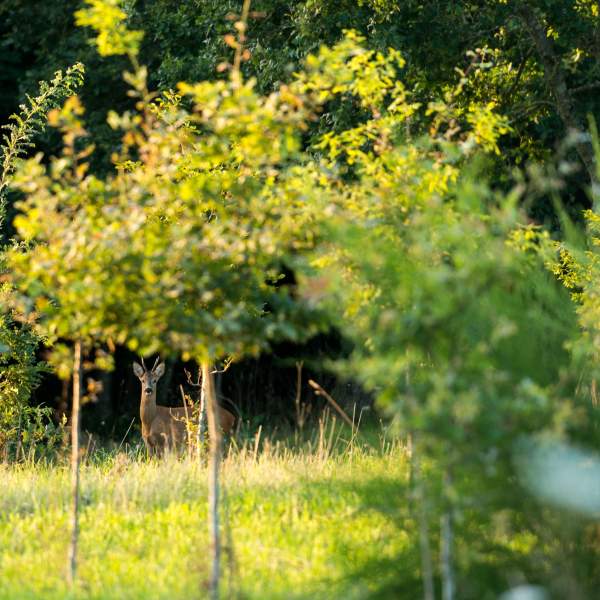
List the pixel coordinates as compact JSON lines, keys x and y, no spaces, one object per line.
{"x":143,"y":363}
{"x":156,"y":362}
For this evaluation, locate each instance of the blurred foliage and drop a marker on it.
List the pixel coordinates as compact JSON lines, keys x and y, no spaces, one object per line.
{"x":108,"y":18}
{"x":459,"y":327}
{"x":20,"y":374}
{"x":577,"y":266}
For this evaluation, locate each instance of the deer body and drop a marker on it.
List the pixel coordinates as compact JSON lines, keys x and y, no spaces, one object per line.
{"x":163,"y":427}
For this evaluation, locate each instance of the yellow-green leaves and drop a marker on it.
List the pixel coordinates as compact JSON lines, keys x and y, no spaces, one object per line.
{"x":350,"y":68}
{"x":589,"y":8}
{"x":22,"y":127}
{"x":248,"y":130}
{"x":108,"y":18}
{"x":487,"y":126}
{"x":182,"y":245}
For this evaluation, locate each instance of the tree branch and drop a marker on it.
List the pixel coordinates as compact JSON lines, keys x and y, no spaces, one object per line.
{"x":321,"y":392}
{"x":590,"y":87}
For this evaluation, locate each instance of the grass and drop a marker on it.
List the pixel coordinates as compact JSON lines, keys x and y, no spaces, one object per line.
{"x":319,"y":517}
{"x":324,"y":520}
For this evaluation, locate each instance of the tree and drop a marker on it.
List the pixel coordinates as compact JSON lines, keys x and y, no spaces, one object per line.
{"x":217,"y":186}
{"x":185,"y":41}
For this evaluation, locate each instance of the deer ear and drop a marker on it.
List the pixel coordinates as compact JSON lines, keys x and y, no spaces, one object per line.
{"x":137,"y":369}
{"x":160,"y":370}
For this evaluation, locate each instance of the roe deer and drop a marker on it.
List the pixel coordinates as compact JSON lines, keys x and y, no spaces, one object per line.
{"x":164,"y":427}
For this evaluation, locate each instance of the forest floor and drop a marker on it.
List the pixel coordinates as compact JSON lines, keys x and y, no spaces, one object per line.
{"x":323,"y":520}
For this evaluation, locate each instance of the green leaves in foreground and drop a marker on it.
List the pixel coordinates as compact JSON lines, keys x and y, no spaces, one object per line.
{"x":20,"y":371}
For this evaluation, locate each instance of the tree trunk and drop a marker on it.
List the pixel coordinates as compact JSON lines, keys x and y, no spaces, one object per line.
{"x":214,"y":461}
{"x":201,"y":433}
{"x":421,"y":502}
{"x":72,"y":560}
{"x":446,"y":542}
{"x":556,"y":82}
{"x":19,"y":449}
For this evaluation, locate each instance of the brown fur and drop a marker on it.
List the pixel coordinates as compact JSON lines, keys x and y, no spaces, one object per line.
{"x":164,"y":428}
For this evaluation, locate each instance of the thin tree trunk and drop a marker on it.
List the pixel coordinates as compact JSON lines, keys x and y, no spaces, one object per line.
{"x":72,"y":560}
{"x":446,"y":542}
{"x":201,"y":434}
{"x":421,"y":501}
{"x":299,"y":411}
{"x":19,"y":449}
{"x":214,"y":460}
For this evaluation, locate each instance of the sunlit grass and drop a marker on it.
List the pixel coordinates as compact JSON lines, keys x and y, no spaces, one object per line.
{"x":318,"y":520}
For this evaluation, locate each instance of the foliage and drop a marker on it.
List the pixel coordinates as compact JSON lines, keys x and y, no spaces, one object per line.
{"x":577,"y":266}
{"x":184,"y":41}
{"x":194,"y":254}
{"x":462,"y":337}
{"x":107,"y":17}
{"x":376,"y":174}
{"x":190,"y":221}
{"x":459,"y":329}
{"x":444,"y":312}
{"x":31,"y":120}
{"x":21,"y":372}
{"x":205,"y":206}
{"x":20,"y":375}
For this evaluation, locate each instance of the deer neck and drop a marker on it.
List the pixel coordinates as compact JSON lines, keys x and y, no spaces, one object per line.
{"x":148,"y":408}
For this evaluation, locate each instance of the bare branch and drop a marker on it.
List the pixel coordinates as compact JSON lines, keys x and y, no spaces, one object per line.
{"x":198,"y":382}
{"x":228,"y":363}
{"x":321,"y":392}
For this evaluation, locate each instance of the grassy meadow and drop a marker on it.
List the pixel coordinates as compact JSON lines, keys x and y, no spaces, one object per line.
{"x":327,"y":516}
{"x":328,"y":520}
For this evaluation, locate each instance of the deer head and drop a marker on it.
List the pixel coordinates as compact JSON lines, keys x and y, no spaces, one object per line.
{"x":149,"y":377}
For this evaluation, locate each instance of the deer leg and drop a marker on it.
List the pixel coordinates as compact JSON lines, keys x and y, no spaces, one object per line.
{"x":160,"y":445}
{"x":148,"y":449}
{"x":152,"y":448}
